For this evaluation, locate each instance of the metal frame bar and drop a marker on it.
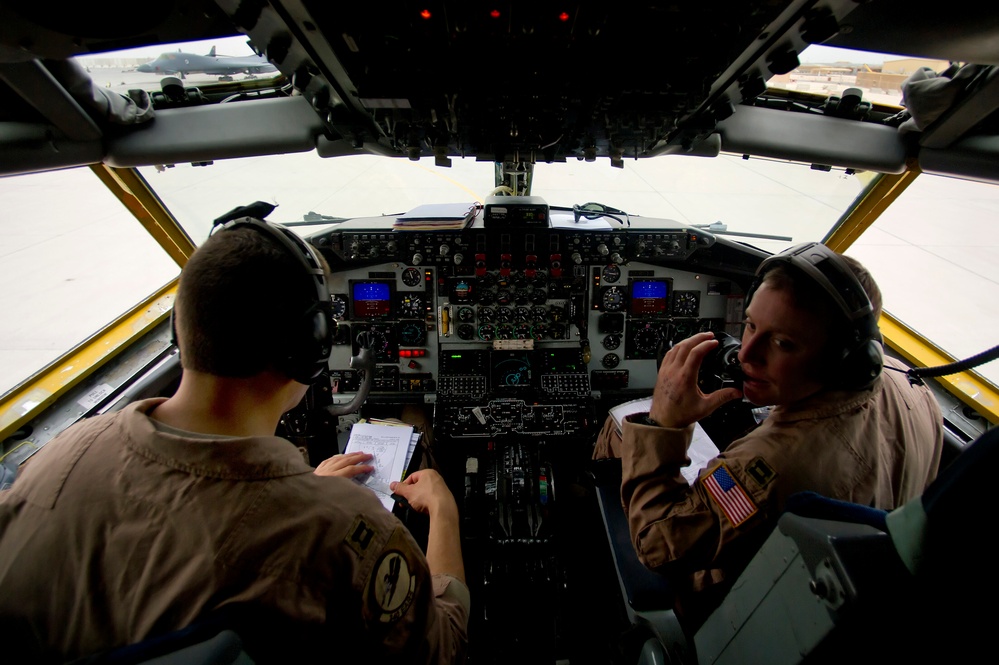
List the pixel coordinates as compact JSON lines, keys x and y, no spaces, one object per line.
{"x":38,"y":392}
{"x":133,"y":191}
{"x":968,"y":387}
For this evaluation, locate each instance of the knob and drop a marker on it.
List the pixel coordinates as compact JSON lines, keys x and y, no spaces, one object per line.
{"x":577,"y":258}
{"x":675,"y":246}
{"x":458,"y":258}
{"x":417,"y":259}
{"x":444,"y":250}
{"x":640,"y":247}
{"x":391,"y":246}
{"x":602,"y":249}
{"x":616,"y":258}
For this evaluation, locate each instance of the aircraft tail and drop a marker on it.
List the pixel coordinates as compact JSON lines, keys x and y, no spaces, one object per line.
{"x":211,"y":54}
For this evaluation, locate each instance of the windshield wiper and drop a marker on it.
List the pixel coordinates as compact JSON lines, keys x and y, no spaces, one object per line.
{"x":721,"y":228}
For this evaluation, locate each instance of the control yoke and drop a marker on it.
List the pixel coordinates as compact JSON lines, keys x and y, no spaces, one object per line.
{"x":364,"y":362}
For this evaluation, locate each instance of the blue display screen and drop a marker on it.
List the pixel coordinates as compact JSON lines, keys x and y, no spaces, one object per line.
{"x":372,"y":299}
{"x":649,"y":297}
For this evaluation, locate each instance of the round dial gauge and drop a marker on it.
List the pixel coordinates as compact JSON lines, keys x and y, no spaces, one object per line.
{"x":487,"y":332}
{"x":504,"y":298}
{"x":611,"y":360}
{"x":539,"y":330}
{"x":411,"y":305}
{"x":646,"y":340}
{"x":522,"y":315}
{"x":411,"y":276}
{"x":540,"y":313}
{"x":557,"y":331}
{"x":504,"y":331}
{"x":539,"y":296}
{"x":486,"y":297}
{"x":487,"y":314}
{"x":466,"y":314}
{"x":504,"y":315}
{"x":611,"y":342}
{"x":685,"y":303}
{"x":338,"y":304}
{"x":466,"y":331}
{"x":523,"y":331}
{"x":612,"y":299}
{"x":412,"y":333}
{"x":612,"y":273}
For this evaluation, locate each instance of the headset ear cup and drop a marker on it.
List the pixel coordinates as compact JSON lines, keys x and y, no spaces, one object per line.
{"x":863,"y":365}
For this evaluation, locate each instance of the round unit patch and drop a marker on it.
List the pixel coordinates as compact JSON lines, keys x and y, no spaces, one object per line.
{"x":392,"y":587}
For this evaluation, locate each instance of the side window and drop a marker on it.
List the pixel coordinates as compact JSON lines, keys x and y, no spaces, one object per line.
{"x":72,"y":260}
{"x":933,"y":253}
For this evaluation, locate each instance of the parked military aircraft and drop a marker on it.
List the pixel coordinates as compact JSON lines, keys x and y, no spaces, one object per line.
{"x":192,"y":63}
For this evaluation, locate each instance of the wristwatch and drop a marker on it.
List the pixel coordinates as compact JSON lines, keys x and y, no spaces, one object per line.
{"x":643,"y":419}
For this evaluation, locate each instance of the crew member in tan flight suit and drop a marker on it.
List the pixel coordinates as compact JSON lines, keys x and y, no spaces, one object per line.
{"x":839,"y":426}
{"x":140,"y":522}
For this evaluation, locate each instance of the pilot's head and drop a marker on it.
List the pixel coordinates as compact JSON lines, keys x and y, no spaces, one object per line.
{"x":797,"y":340}
{"x":247,"y":304}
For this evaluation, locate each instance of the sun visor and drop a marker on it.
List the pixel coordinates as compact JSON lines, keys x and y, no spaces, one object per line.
{"x":813,"y":139}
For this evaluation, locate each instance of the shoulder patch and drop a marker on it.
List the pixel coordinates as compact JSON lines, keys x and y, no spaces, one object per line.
{"x":359,"y":536}
{"x":391,"y":587}
{"x":761,"y":472}
{"x":729,"y":495}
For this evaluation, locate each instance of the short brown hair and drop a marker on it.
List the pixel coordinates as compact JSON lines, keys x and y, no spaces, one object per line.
{"x":239,"y":299}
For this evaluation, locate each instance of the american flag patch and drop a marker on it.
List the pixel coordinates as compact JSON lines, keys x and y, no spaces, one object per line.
{"x":727,"y":493}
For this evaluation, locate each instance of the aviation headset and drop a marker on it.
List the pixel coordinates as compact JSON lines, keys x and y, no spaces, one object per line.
{"x":861,"y":355}
{"x":311,"y":333}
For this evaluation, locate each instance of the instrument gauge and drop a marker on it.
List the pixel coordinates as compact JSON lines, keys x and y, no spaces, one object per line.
{"x":685,"y":303}
{"x":523,"y":331}
{"x":466,"y":331}
{"x":338,"y":305}
{"x":612,"y":300}
{"x":411,"y":305}
{"x":538,"y":331}
{"x":540,"y":313}
{"x":504,"y":298}
{"x":487,"y":314}
{"x":466,"y":314}
{"x":611,"y":360}
{"x":522,"y":315}
{"x":411,"y":276}
{"x":647,"y":340}
{"x":612,"y":273}
{"x":539,"y":296}
{"x":412,"y":333}
{"x":487,"y":332}
{"x":504,"y":315}
{"x":504,"y":331}
{"x":612,"y":342}
{"x":486,"y":297}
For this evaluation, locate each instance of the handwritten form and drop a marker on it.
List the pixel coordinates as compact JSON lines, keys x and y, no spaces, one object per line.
{"x":392,"y":447}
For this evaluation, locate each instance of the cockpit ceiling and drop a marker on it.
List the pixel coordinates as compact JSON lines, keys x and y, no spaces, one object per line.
{"x":515,"y":81}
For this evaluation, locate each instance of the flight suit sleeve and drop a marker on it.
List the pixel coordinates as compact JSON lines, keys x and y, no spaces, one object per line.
{"x":416,"y":617}
{"x":683,"y":528}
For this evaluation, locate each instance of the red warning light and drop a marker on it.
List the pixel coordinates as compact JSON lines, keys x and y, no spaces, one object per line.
{"x":494,"y":13}
{"x":425,"y":14}
{"x":564,"y":16}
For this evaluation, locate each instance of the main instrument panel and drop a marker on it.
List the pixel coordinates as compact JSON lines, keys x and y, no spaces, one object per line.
{"x":515,"y":330}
